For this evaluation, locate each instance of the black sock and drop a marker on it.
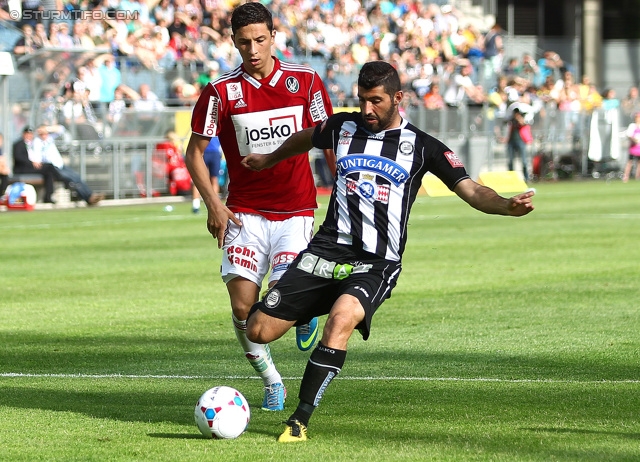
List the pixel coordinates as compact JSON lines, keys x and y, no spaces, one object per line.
{"x":303,"y":413}
{"x":323,"y":365}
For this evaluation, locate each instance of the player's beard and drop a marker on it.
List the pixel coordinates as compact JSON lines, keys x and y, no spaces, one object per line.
{"x":383,"y":121}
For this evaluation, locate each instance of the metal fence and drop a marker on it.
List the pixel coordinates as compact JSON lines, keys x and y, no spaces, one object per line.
{"x":564,"y":138}
{"x":125,"y":167}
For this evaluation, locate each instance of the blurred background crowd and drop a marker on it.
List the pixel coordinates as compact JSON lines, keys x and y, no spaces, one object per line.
{"x":116,"y":68}
{"x":444,"y":58}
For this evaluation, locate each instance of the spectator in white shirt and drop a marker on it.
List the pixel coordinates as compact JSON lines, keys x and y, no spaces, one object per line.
{"x":147,"y":106}
{"x":145,"y":100}
{"x":460,"y":88}
{"x":45,"y":151}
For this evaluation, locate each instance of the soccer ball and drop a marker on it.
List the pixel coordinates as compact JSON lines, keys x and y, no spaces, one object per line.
{"x":222,"y":412}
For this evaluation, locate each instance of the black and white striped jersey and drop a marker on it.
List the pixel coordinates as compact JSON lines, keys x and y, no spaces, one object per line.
{"x":378,"y":178}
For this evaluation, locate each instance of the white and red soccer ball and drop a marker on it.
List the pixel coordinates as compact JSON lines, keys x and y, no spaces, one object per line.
{"x":222,"y":412}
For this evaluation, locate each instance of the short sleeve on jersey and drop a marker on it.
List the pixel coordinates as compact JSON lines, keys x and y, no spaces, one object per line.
{"x":323,"y":135}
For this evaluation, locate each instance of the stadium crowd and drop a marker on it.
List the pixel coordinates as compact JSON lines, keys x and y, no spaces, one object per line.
{"x":444,"y":59}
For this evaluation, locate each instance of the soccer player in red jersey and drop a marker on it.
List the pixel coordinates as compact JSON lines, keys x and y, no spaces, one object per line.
{"x":268,"y":216}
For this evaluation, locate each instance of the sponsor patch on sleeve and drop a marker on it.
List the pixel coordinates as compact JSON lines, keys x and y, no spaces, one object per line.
{"x":453,"y":159}
{"x":318,"y":113}
{"x":211,"y":120}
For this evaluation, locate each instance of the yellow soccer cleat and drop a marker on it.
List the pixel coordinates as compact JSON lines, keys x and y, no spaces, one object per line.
{"x":294,"y":431}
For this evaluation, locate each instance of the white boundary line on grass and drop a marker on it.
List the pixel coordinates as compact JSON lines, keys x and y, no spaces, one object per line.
{"x":93,"y":223}
{"x":187,"y":216}
{"x":241,"y":377}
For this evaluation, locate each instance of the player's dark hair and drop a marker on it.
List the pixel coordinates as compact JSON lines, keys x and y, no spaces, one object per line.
{"x":251,"y":13}
{"x":379,"y":73}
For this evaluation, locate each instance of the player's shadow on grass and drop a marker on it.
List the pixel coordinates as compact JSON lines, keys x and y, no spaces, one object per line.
{"x":177,"y":436}
{"x":126,"y":404}
{"x":582,"y":431}
{"x":197,"y":436}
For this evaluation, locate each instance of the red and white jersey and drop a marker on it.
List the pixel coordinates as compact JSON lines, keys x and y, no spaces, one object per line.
{"x":257,"y":116}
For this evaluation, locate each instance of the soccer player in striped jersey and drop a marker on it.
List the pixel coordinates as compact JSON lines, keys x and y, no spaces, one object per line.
{"x":354,"y":260}
{"x":268,"y":216}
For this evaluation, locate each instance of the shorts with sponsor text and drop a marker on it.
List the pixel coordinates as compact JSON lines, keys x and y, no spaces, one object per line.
{"x":313,"y":283}
{"x":259,"y":244}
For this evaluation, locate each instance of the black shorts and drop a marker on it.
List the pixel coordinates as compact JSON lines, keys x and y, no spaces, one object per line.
{"x":319,"y":275}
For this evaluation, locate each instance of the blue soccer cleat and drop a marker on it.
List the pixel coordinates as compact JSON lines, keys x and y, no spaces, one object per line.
{"x":274,"y":396}
{"x":307,"y":334}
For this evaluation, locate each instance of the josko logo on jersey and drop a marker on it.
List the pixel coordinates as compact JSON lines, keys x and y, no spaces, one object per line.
{"x":378,"y":165}
{"x":263,"y":131}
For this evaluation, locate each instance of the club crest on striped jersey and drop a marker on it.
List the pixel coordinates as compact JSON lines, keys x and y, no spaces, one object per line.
{"x":382,"y":166}
{"x":368,"y":189}
{"x":292,"y":84}
{"x":453,"y":159}
{"x":406,"y":148}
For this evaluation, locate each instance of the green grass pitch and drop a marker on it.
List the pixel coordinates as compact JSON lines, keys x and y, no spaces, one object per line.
{"x":506,"y":339}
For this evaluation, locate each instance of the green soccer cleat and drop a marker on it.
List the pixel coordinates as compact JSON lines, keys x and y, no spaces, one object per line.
{"x":294,"y":431}
{"x":307,"y":334}
{"x":274,"y":396}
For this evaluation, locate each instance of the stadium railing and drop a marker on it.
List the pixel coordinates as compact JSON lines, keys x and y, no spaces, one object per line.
{"x":129,"y":166}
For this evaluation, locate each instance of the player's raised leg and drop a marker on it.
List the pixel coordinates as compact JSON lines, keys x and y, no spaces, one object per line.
{"x":289,"y":238}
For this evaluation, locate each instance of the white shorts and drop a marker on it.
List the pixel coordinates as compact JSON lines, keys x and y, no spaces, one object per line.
{"x":259,"y":244}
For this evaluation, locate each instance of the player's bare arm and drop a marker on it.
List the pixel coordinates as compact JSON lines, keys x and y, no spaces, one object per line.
{"x":218,"y":214}
{"x":298,"y":143}
{"x":488,"y":201}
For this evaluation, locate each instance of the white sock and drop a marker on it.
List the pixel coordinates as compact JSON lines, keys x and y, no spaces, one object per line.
{"x":259,"y":355}
{"x":196,"y":204}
